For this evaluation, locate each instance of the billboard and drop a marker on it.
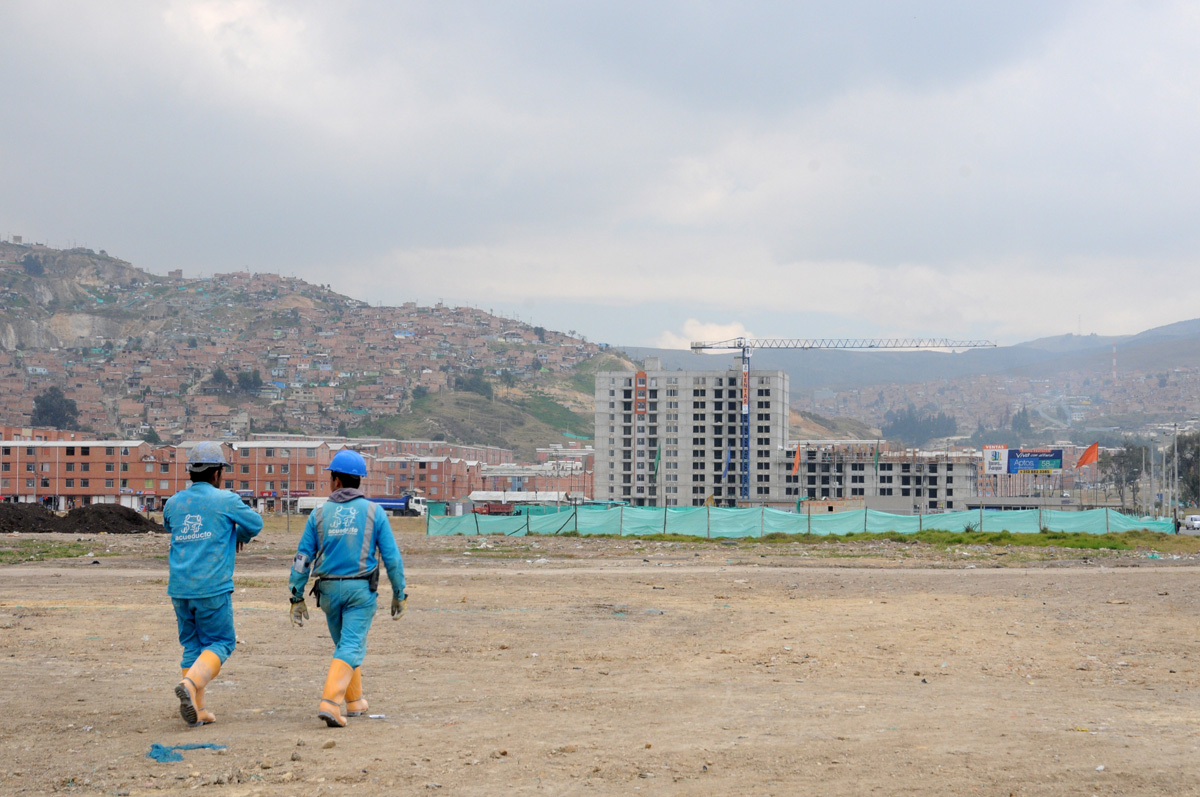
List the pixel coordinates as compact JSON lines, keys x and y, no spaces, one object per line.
{"x":1035,"y":460}
{"x":1000,"y":459}
{"x":995,"y":459}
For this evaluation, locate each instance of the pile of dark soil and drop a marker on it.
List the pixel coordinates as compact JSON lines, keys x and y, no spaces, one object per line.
{"x":26,"y":518}
{"x":94,"y":519}
{"x":110,"y":518}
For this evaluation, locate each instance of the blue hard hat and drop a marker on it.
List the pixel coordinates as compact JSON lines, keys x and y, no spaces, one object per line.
{"x":206,"y":455}
{"x":348,"y":462}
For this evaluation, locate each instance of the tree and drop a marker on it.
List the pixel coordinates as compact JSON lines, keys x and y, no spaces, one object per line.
{"x":54,"y":409}
{"x":151,"y":436}
{"x":219,"y":378}
{"x":249,"y":381}
{"x":1189,"y":468}
{"x":1124,"y":469}
{"x":1020,"y":422}
{"x":541,"y":333}
{"x":32,"y":264}
{"x":917,"y":428}
{"x":474,"y":383}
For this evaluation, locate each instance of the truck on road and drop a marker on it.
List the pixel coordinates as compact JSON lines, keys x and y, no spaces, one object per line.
{"x":401,"y":505}
{"x":495,"y":509}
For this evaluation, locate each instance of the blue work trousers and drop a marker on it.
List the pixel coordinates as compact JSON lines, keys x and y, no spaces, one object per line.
{"x":205,"y":624}
{"x":349,"y":609}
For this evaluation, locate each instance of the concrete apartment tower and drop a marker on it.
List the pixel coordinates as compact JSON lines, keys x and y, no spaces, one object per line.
{"x":689,"y":423}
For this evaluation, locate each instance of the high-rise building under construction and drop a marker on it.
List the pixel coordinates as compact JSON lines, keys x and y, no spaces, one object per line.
{"x":673,"y":438}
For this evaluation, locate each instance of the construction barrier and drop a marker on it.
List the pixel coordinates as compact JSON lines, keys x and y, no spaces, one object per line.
{"x":715,"y":522}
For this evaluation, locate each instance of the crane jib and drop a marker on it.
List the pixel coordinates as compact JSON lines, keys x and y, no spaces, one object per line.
{"x":746,"y":344}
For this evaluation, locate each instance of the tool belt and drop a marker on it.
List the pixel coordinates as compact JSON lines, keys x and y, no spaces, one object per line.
{"x":371,"y":578}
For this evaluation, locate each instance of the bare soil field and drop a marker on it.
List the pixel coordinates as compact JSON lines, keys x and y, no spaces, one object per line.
{"x":602,"y":666}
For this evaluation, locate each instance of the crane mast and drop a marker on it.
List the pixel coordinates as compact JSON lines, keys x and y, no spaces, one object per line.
{"x":745,"y":345}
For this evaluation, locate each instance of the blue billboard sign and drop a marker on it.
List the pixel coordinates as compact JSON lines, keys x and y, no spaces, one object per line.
{"x":1035,"y":460}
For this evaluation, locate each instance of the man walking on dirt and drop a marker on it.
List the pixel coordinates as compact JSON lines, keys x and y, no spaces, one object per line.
{"x":339,"y":547}
{"x":208,"y":526}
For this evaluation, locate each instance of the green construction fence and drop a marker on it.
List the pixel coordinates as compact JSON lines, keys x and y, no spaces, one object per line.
{"x":716,"y":522}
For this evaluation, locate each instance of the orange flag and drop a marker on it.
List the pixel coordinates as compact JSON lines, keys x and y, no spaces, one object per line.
{"x":1090,"y":456}
{"x":796,"y":462}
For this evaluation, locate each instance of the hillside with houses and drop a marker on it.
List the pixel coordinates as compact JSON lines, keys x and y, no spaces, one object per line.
{"x":177,"y":358}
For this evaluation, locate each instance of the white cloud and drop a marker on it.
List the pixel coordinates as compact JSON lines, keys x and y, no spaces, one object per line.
{"x":694,"y":330}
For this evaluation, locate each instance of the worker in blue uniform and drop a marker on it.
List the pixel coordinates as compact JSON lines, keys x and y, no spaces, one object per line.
{"x":342,"y":546}
{"x":208,"y":526}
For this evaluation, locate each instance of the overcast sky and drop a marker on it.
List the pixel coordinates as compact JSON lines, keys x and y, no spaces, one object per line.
{"x":644,"y":173}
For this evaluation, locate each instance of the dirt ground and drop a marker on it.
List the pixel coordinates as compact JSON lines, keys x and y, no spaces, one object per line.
{"x":591,"y":666}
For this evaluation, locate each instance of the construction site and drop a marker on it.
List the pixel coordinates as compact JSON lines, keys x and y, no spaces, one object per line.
{"x":569,"y":664}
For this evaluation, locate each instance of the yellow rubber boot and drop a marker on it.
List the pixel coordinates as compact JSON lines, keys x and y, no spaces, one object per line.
{"x":190,"y":690}
{"x":203,"y":716}
{"x":336,"y":684}
{"x":356,"y":704}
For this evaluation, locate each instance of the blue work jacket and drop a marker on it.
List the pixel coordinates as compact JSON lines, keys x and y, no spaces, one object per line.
{"x":206,"y":524}
{"x":341,"y":539}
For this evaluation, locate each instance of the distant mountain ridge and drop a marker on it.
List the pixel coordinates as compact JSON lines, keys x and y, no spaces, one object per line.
{"x":1170,"y":346}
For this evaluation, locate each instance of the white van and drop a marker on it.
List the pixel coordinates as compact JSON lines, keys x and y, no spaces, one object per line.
{"x":1191,"y":523}
{"x":306,"y":504}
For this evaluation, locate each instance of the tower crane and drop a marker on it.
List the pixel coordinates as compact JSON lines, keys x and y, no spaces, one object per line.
{"x":745,"y":345}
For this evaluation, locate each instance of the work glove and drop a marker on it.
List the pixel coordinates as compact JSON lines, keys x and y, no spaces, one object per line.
{"x":398,"y":605}
{"x":299,"y":613}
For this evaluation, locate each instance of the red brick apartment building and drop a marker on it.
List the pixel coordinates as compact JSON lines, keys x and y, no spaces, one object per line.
{"x":435,"y":478}
{"x":67,"y":473}
{"x":65,"y":469}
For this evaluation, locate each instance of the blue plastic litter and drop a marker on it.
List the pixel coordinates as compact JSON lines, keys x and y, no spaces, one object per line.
{"x":163,"y":754}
